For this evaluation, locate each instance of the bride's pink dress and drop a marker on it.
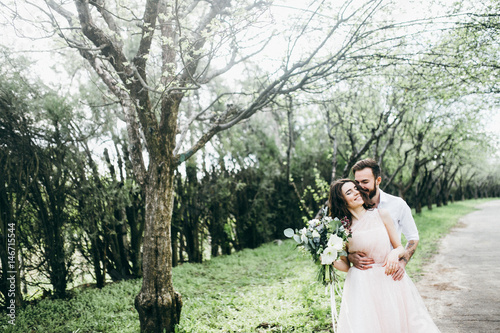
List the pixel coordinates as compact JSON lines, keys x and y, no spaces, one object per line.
{"x":373,"y":302}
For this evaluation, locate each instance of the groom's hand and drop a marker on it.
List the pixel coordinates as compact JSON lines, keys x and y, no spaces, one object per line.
{"x":360,"y":260}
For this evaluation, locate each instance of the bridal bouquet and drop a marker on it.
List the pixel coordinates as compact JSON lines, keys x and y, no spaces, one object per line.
{"x":325,"y":240}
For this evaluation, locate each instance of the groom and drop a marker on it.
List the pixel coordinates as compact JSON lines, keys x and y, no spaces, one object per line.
{"x":367,"y":175}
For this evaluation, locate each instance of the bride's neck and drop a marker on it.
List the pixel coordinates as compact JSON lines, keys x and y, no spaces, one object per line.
{"x":357,"y":212}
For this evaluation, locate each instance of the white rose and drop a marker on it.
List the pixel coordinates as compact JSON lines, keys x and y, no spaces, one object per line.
{"x":313,"y":223}
{"x":336,"y":242}
{"x":328,"y":256}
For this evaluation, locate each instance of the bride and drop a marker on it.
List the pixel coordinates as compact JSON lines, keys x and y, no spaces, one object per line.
{"x":372,"y":301}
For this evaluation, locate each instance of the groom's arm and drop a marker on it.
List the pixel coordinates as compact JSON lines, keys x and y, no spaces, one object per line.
{"x":410,"y":249}
{"x":410,"y":231}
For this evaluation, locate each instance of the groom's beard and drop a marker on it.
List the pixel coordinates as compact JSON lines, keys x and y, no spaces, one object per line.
{"x":369,"y":193}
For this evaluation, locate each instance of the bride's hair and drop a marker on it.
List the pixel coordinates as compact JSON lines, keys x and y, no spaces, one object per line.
{"x":337,"y":202}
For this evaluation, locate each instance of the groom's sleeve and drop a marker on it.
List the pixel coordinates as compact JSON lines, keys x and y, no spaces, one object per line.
{"x":409,"y":228}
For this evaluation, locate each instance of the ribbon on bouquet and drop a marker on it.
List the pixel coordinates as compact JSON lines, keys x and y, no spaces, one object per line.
{"x":334,"y":290}
{"x":334,"y":307}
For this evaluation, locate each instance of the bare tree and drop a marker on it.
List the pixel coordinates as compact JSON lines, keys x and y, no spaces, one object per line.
{"x":358,"y":117}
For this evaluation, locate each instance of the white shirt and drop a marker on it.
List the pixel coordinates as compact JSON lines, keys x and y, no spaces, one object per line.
{"x":401,"y":215}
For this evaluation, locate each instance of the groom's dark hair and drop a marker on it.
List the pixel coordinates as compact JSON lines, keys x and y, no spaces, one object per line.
{"x":367,"y":163}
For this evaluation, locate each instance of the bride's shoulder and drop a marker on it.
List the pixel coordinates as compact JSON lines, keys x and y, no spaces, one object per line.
{"x":384,"y":213}
{"x":385,"y":216}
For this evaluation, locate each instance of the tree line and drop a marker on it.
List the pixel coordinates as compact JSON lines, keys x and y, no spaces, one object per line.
{"x":77,"y":212}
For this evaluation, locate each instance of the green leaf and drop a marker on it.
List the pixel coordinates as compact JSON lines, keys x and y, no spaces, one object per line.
{"x":297,"y":239}
{"x":289,"y":232}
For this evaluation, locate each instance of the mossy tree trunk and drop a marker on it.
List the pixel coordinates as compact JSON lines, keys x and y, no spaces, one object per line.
{"x":158,"y":304}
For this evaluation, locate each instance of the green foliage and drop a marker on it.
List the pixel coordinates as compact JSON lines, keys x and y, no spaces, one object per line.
{"x":268,"y":289}
{"x":37,"y":139}
{"x":110,"y":309}
{"x":63,"y":207}
{"x":250,"y":288}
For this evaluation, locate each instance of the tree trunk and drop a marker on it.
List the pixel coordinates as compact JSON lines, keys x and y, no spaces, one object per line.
{"x":191,"y":232}
{"x":135,"y":221}
{"x":159,"y":306}
{"x":418,"y":207}
{"x":181,"y":248}
{"x":191,"y":213}
{"x":58,"y":271}
{"x":419,"y":194}
{"x":51,"y":219}
{"x":175,"y":249}
{"x":429,"y":203}
{"x":439,"y":202}
{"x":96,"y":248}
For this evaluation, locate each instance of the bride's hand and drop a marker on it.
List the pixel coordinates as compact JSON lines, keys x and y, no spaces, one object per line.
{"x":391,"y":263}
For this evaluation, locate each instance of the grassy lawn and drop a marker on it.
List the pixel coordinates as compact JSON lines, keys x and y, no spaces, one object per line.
{"x":269,"y":289}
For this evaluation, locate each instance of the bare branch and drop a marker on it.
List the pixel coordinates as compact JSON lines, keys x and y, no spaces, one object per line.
{"x":205,"y":79}
{"x":60,"y":10}
{"x":109,"y":19}
{"x":130,"y":117}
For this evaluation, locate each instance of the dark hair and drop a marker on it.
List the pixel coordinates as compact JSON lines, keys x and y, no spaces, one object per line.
{"x":337,"y":203}
{"x":367,"y":163}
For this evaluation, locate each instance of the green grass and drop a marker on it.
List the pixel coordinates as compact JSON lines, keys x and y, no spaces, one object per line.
{"x":269,"y":289}
{"x":252,"y":289}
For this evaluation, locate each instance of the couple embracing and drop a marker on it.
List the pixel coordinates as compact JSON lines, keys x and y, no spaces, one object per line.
{"x":378,"y":297}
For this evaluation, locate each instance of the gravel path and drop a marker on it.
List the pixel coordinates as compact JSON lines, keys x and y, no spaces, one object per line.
{"x":461,"y":285}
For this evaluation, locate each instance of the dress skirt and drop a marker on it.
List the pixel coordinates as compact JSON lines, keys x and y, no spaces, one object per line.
{"x":373,"y":302}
